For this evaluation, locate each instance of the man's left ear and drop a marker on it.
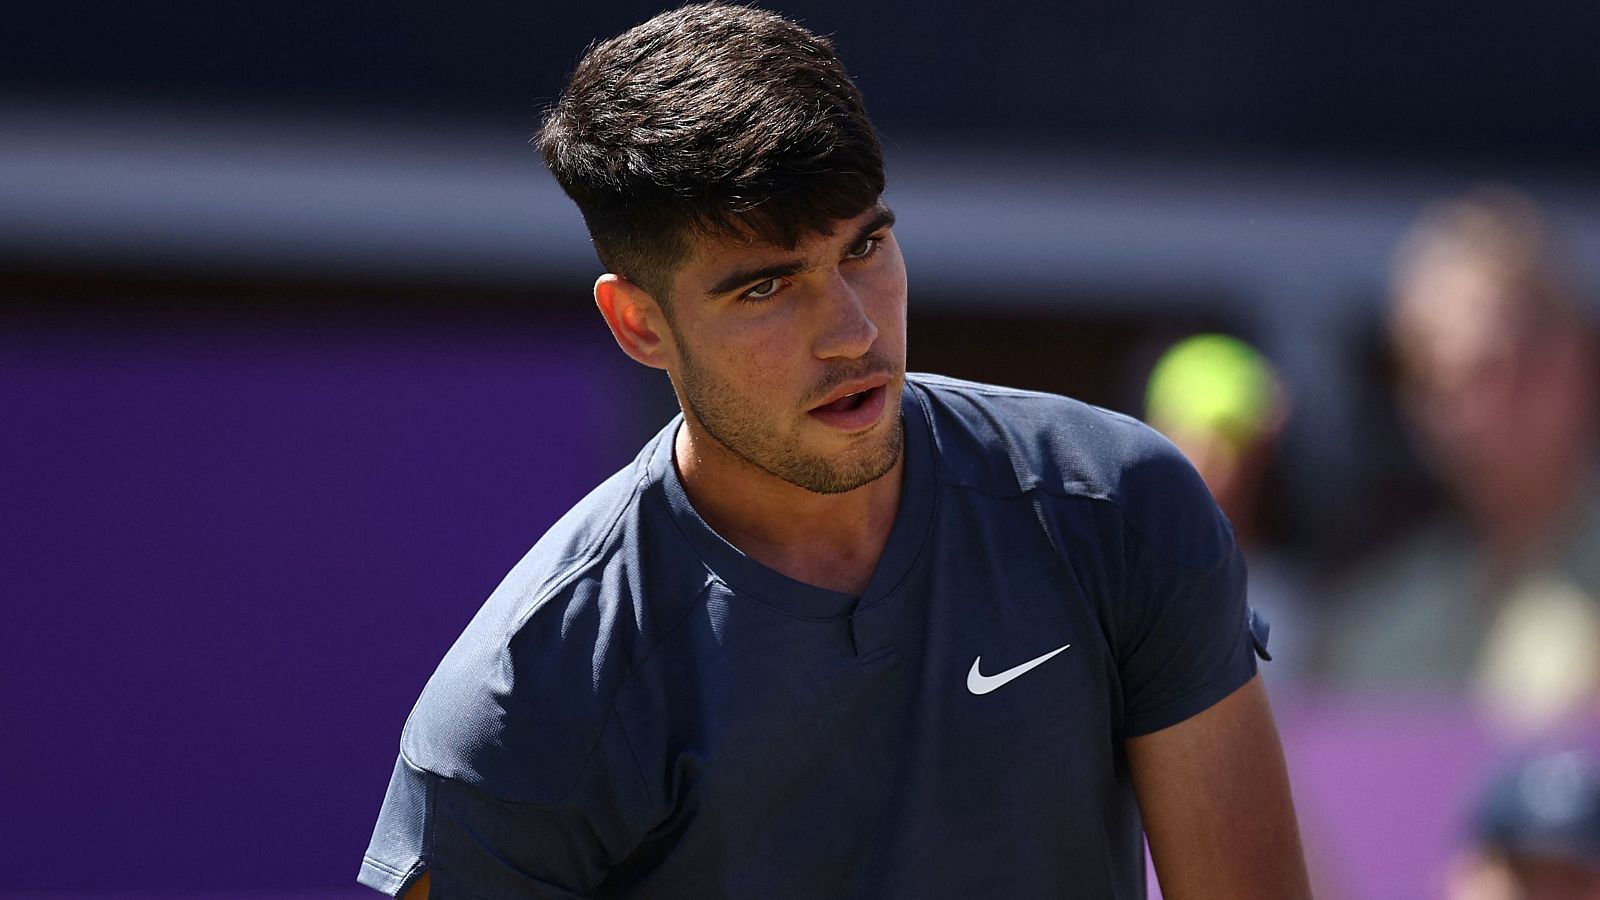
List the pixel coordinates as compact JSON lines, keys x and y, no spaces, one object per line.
{"x":635,"y":319}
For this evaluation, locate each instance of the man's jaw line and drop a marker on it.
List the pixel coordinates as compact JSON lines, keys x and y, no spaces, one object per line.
{"x":701,"y":443}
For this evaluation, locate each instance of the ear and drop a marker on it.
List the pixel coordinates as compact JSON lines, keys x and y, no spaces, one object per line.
{"x":635,"y":319}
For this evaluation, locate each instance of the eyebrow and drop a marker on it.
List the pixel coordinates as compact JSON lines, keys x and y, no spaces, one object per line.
{"x":884,"y":218}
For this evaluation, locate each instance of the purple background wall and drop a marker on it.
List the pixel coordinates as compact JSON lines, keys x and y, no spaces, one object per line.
{"x":230,"y":555}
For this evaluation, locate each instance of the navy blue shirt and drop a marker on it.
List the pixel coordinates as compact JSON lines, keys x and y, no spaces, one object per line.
{"x":642,"y":711}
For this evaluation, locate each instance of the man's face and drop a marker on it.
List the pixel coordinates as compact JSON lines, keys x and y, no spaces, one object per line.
{"x":1495,"y":381}
{"x":792,"y":360}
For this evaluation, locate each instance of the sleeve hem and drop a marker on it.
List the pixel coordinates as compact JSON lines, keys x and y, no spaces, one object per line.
{"x":1192,"y":703}
{"x":386,"y":879}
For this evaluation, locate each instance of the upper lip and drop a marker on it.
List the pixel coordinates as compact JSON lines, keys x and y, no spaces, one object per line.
{"x":854,"y":387}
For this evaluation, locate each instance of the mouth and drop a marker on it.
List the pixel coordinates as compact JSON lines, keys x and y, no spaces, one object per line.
{"x":854,"y":407}
{"x":848,"y":402}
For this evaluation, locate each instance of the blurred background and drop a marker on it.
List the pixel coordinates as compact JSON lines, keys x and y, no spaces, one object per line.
{"x":297,"y":357}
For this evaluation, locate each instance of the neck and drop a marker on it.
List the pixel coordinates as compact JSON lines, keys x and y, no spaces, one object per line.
{"x":831,"y":541}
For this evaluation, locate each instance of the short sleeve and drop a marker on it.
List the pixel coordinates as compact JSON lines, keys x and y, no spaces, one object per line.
{"x":1194,"y":645}
{"x":1186,"y":638}
{"x":394,"y":859}
{"x":477,"y":845}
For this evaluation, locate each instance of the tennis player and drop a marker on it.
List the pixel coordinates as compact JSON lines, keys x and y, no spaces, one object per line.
{"x":839,"y":630}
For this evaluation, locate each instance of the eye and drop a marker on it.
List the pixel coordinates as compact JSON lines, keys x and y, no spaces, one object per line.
{"x":763,"y":290}
{"x":866,"y":248}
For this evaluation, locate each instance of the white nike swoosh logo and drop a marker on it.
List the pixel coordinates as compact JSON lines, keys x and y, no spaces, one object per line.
{"x":979,"y":683}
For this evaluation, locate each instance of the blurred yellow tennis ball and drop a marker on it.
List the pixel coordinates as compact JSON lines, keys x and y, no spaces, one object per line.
{"x":1212,"y":383}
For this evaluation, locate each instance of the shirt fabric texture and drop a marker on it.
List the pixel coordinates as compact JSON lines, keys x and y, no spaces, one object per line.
{"x":642,"y":711}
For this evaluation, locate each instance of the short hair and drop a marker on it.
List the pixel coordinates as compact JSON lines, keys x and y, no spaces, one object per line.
{"x":714,"y":120}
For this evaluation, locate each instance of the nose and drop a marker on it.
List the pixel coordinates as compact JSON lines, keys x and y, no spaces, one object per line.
{"x":848,"y":331}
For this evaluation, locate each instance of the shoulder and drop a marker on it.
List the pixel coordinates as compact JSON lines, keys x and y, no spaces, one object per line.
{"x":520,"y":702}
{"x":1006,"y":441}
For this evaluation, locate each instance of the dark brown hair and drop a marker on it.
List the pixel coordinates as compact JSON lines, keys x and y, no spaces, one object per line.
{"x":715,"y":120}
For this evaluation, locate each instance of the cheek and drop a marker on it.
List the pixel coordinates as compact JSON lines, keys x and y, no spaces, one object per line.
{"x":889,"y":304}
{"x":734,"y":342}
{"x":751,"y":361}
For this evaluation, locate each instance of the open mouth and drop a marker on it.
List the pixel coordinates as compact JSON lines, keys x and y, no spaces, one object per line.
{"x":853,"y":412}
{"x":849,"y":402}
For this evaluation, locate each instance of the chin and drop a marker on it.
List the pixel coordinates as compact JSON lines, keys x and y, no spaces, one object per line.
{"x":858,"y":467}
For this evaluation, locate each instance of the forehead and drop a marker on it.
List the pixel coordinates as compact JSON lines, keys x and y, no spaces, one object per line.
{"x":1447,"y":339}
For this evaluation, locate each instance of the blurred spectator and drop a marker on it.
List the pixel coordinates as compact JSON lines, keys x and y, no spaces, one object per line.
{"x":1498,"y":381}
{"x":1536,"y":834}
{"x":1223,"y":405}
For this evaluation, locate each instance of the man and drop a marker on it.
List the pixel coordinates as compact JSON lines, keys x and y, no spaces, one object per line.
{"x":837,"y":631}
{"x":1500,"y":596}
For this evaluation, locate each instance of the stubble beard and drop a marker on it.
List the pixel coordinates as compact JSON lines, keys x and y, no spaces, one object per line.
{"x":744,"y":431}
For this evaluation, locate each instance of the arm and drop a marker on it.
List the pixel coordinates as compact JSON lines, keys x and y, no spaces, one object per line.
{"x":1214,"y":793}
